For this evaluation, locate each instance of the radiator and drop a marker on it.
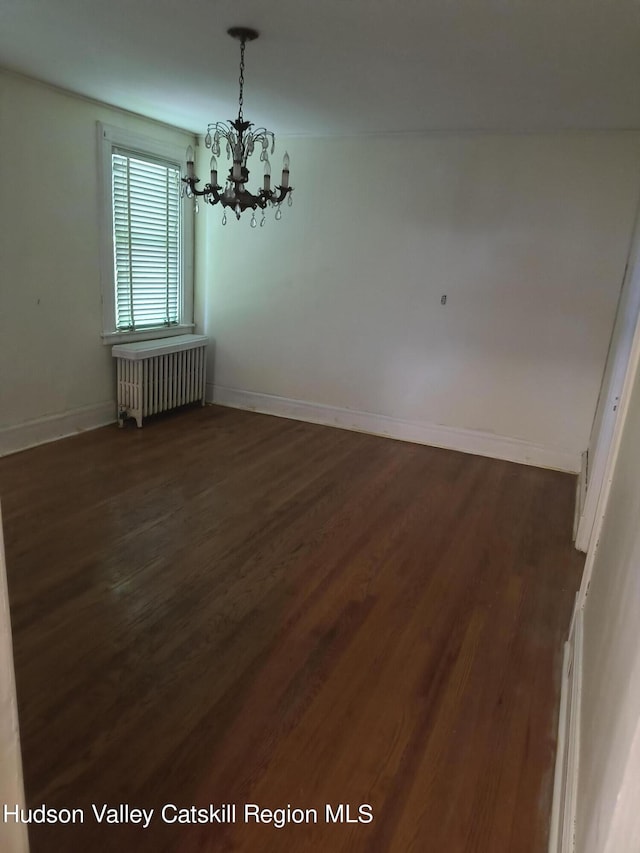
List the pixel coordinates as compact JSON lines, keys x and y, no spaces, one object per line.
{"x":154,"y":376}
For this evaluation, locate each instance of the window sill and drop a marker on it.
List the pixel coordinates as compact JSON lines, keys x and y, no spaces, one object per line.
{"x":111,"y":338}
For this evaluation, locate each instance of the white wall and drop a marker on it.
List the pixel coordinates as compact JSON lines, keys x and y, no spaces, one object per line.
{"x":609,"y":751}
{"x":54,"y":369}
{"x":339,"y":303}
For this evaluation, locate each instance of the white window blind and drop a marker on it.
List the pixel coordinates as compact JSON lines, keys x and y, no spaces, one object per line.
{"x":146,"y":242}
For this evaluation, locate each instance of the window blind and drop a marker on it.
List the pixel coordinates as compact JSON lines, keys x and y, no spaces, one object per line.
{"x":146,"y":241}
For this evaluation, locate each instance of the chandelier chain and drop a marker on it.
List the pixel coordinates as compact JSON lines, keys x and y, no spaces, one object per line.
{"x":241,"y":80}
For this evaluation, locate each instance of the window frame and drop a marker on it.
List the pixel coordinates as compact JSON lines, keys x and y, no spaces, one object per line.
{"x":112,"y":138}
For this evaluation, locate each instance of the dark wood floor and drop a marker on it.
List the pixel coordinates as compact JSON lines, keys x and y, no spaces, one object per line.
{"x":227,"y":607}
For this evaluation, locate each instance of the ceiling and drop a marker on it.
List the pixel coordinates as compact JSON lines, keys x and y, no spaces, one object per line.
{"x":342,"y":67}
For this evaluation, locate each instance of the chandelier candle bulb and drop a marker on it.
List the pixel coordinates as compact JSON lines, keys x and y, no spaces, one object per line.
{"x":267,"y":176}
{"x":190,"y":166}
{"x":213,"y":165}
{"x":285,"y":171}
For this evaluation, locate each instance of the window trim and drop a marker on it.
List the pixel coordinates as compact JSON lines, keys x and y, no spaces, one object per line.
{"x":110,"y":138}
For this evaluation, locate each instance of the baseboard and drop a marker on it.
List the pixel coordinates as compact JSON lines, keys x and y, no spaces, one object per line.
{"x":451,"y":438}
{"x":565,"y":787}
{"x":42,"y":430}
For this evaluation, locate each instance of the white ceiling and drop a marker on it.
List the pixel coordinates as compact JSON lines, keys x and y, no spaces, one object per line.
{"x":342,"y":66}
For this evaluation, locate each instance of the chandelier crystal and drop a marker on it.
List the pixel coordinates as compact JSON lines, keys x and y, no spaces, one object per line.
{"x":239,"y":139}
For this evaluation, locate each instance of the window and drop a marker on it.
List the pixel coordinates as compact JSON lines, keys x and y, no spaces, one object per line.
{"x":146,"y":242}
{"x":147,"y":287}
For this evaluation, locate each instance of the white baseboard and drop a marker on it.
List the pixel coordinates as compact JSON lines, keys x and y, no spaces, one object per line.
{"x":451,"y":438}
{"x":565,"y":787}
{"x":42,"y":430}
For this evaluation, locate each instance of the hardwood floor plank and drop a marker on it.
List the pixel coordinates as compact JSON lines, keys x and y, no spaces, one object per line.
{"x":227,"y":607}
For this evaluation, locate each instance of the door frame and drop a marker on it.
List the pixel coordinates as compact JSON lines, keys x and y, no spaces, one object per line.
{"x":14,"y":835}
{"x":613,"y":450}
{"x":607,"y":414}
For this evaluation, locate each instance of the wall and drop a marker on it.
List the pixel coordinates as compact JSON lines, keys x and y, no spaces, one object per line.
{"x":338,"y":305}
{"x":334,"y":313}
{"x":55,"y":373}
{"x":610,"y":715}
{"x":610,"y":704}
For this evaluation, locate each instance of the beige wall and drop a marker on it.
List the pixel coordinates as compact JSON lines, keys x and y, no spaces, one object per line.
{"x":52,"y":359}
{"x":610,"y":707}
{"x":339,"y":303}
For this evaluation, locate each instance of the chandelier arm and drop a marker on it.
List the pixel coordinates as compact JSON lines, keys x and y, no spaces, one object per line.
{"x":213,"y":192}
{"x":191,"y":186}
{"x":283,"y":193}
{"x":208,"y":189}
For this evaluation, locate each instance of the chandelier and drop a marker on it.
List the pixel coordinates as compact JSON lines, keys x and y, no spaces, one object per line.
{"x":240,"y":141}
